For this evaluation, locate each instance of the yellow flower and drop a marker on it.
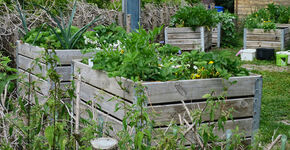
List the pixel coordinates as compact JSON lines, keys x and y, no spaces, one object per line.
{"x":122,"y":51}
{"x":211,"y":62}
{"x":197,"y":76}
{"x":192,"y":76}
{"x":217,"y":73}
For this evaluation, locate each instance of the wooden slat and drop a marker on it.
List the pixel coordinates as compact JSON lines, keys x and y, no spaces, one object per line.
{"x":174,"y":91}
{"x":23,"y":90}
{"x":43,"y":85}
{"x":170,"y":91}
{"x":65,"y":56}
{"x":163,"y":114}
{"x":103,"y":99}
{"x":184,"y":36}
{"x":245,"y":126}
{"x":187,"y":46}
{"x":26,"y":63}
{"x":101,"y":80}
{"x":266,"y":44}
{"x":109,"y":121}
{"x":262,"y":31}
{"x":184,"y":41}
{"x":263,"y":37}
{"x":180,"y":30}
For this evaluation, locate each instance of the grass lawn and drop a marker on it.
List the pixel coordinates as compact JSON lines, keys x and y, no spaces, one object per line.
{"x":275,"y":104}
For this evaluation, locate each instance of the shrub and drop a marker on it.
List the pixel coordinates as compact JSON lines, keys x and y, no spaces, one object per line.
{"x":266,"y":18}
{"x":194,"y":17}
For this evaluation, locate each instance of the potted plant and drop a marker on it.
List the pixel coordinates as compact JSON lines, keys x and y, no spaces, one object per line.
{"x":268,"y":27}
{"x":170,"y":81}
{"x":190,"y":28}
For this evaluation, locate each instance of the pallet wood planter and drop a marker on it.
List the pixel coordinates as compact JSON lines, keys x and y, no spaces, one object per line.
{"x":187,"y":39}
{"x":278,"y":39}
{"x":26,"y":55}
{"x":164,"y":98}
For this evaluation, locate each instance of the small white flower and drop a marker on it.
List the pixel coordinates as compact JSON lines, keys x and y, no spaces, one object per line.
{"x":195,"y":67}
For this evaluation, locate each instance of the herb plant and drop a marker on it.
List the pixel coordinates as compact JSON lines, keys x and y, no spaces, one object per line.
{"x":194,"y":17}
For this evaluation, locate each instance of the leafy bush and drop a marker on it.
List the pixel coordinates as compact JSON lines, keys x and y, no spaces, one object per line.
{"x":139,"y":59}
{"x":229,"y":37}
{"x":104,"y":36}
{"x":194,"y":17}
{"x":267,"y":17}
{"x":47,"y":39}
{"x":7,"y":74}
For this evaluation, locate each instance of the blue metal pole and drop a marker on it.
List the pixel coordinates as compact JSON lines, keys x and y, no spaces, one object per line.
{"x":132,"y":7}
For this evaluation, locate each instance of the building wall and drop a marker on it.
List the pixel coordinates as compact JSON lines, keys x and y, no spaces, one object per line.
{"x":245,"y":7}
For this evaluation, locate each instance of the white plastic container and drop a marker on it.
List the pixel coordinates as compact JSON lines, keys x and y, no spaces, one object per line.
{"x":248,"y":54}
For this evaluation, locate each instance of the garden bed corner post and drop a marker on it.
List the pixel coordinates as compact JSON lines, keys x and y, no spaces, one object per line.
{"x":245,"y":38}
{"x":257,"y":105}
{"x":202,"y":39}
{"x":283,"y":39}
{"x":219,"y":35}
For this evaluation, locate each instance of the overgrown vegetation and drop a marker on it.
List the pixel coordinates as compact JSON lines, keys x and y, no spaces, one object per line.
{"x":267,"y":18}
{"x":194,"y":17}
{"x":139,"y":59}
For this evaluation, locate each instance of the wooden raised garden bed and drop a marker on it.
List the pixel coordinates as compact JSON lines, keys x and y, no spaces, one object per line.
{"x":164,"y":98}
{"x":187,"y":39}
{"x":26,"y":55}
{"x":278,"y":39}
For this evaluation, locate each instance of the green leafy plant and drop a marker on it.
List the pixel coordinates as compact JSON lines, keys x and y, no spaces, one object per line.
{"x":194,"y":17}
{"x":104,"y":37}
{"x":7,"y":74}
{"x":229,"y":35}
{"x":267,"y":18}
{"x":66,"y":38}
{"x":141,"y":60}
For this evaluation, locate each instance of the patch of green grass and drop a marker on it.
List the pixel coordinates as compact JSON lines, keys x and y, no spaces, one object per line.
{"x":275,"y":104}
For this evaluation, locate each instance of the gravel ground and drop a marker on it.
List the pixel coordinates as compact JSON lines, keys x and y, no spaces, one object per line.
{"x":271,"y":68}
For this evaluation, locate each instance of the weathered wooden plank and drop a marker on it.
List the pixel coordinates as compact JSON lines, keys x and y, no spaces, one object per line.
{"x":103,"y":99}
{"x":245,"y":126}
{"x":101,"y":80}
{"x":263,"y":37}
{"x":170,"y":91}
{"x":163,"y":114}
{"x":184,"y":41}
{"x":184,"y":36}
{"x":262,"y":31}
{"x":183,"y":29}
{"x":29,"y":50}
{"x":187,"y":46}
{"x":65,"y":56}
{"x":174,"y":91}
{"x":108,"y":120}
{"x":43,"y":85}
{"x":26,"y":63}
{"x":264,"y":44}
{"x":65,"y":72}
{"x":23,"y":90}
